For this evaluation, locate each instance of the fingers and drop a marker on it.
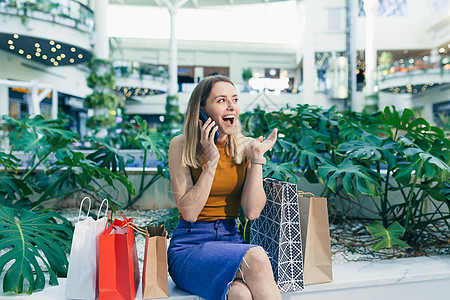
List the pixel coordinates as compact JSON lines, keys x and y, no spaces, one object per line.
{"x":206,"y":128}
{"x":213,"y":133}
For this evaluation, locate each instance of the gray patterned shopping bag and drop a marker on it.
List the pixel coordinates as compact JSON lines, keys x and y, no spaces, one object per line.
{"x":277,"y":230}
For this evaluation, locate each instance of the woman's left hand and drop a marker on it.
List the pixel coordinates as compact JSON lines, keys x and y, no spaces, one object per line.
{"x":259,"y":146}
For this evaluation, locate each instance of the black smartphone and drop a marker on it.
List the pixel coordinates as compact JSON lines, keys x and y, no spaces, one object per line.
{"x":204,"y":118}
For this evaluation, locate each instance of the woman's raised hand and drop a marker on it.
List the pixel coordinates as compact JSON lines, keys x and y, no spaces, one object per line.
{"x":207,"y":132}
{"x":259,"y":146}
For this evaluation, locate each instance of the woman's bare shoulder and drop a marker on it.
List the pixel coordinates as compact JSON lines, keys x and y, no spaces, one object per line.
{"x":177,"y":141}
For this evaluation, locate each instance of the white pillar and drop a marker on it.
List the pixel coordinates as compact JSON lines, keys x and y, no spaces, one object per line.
{"x":309,"y":70}
{"x":34,"y":107}
{"x":4,"y":101}
{"x":101,"y":46}
{"x":370,"y":7}
{"x":173,"y":7}
{"x":173,"y":53}
{"x":54,"y":104}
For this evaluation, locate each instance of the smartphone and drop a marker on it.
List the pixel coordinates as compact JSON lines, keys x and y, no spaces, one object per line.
{"x":204,"y":118}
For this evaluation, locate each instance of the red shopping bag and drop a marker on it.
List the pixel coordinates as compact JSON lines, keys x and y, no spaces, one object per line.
{"x":118,"y":276}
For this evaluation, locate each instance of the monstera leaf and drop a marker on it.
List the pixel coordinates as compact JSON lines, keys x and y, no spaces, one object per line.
{"x":390,"y":237}
{"x":355,"y":177}
{"x":281,"y":171}
{"x":28,"y":237}
{"x":110,"y":158}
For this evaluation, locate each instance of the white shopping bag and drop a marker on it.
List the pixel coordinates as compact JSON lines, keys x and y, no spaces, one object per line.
{"x":82,"y":275}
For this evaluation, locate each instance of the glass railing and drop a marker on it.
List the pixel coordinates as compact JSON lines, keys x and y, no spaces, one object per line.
{"x":134,"y":69}
{"x":65,"y":12}
{"x":413,"y":64}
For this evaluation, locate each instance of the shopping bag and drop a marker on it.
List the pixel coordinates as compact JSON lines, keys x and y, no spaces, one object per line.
{"x":277,"y":230}
{"x":118,"y":276}
{"x":316,"y":243}
{"x":155,"y":283}
{"x":81,"y":282}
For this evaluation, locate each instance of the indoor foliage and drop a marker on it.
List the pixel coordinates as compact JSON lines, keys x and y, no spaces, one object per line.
{"x":357,"y":154}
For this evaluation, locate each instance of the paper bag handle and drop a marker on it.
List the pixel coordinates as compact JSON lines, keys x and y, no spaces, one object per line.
{"x":100,"y":208}
{"x":302,"y":194}
{"x":81,"y":207}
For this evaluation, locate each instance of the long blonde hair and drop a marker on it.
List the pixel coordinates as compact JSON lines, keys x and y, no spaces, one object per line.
{"x":193,"y":155}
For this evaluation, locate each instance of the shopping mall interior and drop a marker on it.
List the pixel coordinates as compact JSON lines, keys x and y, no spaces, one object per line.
{"x":354,"y":54}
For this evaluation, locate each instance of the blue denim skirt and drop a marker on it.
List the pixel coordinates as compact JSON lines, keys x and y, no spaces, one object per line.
{"x":204,"y":257}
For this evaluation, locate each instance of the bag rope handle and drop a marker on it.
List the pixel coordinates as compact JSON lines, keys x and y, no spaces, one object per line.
{"x":100,"y":208}
{"x":81,"y":207}
{"x":135,"y":227}
{"x":301,"y":193}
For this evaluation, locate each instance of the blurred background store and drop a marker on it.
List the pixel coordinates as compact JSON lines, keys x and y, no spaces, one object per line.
{"x":356,"y":54}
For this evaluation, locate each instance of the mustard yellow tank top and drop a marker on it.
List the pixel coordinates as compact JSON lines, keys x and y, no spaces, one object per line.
{"x":225,"y":196}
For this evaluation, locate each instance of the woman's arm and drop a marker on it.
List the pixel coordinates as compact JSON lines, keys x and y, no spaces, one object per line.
{"x":253,"y":197}
{"x":189,"y":198}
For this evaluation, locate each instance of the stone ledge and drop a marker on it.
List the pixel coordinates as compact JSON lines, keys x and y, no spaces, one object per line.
{"x":404,"y":278}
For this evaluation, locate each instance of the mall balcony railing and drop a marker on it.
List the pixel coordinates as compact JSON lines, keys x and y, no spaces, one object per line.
{"x":416,"y":65}
{"x":65,"y":12}
{"x":142,"y":71}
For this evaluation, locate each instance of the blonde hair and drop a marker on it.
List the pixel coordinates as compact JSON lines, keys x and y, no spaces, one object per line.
{"x":193,"y":155}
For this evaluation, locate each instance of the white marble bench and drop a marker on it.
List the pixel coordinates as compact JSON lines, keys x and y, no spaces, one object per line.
{"x":400,"y":279}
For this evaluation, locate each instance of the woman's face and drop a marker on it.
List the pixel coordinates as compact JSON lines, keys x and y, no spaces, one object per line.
{"x":222,"y":107}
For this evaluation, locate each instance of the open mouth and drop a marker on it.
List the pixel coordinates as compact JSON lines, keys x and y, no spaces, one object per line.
{"x":229,"y":120}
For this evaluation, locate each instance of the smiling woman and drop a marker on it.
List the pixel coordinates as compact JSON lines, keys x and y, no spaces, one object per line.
{"x":207,"y":256}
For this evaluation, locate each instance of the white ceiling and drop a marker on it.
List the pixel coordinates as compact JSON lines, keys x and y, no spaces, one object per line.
{"x":192,"y":3}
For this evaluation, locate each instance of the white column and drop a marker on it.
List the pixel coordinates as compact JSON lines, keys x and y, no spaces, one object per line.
{"x":101,"y":46}
{"x":54,"y":104}
{"x":34,"y":107}
{"x":173,"y":52}
{"x":370,"y":7}
{"x":173,"y":7}
{"x":309,"y":70}
{"x":4,"y":101}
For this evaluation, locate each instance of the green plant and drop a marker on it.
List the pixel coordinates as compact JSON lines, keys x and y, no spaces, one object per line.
{"x":151,"y":143}
{"x":247,"y":74}
{"x":357,"y":154}
{"x":26,"y":237}
{"x":390,"y":237}
{"x":100,"y":100}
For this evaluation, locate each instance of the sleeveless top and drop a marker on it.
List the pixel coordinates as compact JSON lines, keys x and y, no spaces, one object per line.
{"x":225,"y":196}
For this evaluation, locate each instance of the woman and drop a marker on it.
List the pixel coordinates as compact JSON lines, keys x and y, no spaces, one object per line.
{"x":207,"y":256}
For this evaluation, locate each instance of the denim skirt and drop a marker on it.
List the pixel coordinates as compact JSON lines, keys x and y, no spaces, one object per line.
{"x":204,"y":257}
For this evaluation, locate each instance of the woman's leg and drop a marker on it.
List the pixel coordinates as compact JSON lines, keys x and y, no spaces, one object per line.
{"x":256,"y":272}
{"x":239,"y":291}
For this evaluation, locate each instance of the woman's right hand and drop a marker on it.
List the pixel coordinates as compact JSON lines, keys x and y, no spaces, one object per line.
{"x":207,"y":132}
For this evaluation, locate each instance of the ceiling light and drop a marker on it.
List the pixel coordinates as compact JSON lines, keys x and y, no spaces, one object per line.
{"x":63,"y":55}
{"x":52,"y":59}
{"x":52,"y":43}
{"x":53,"y":49}
{"x":37,"y":54}
{"x":44,"y":56}
{"x":16,"y":36}
{"x":38,"y":50}
{"x":80,"y":56}
{"x":55,"y":63}
{"x":28,"y":56}
{"x":20,"y":51}
{"x":58,"y":46}
{"x":442,"y":50}
{"x":58,"y":57}
{"x":12,"y":47}
{"x":10,"y":42}
{"x":73,"y":49}
{"x":37,"y":45}
{"x":72,"y":60}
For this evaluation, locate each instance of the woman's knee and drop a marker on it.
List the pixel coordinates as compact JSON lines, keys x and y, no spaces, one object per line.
{"x":239,"y":291}
{"x":257,"y":260}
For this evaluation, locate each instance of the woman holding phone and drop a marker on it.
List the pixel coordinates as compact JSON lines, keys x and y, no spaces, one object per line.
{"x":211,"y":181}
